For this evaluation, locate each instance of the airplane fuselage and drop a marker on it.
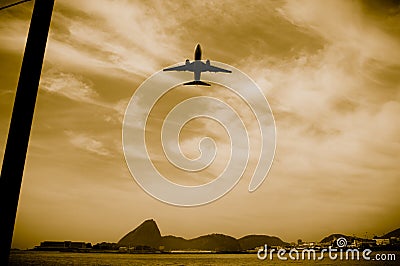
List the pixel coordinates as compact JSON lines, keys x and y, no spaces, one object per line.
{"x":197,"y":63}
{"x":197,"y":71}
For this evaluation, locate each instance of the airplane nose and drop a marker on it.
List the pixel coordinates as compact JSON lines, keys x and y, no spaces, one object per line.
{"x":197,"y":52}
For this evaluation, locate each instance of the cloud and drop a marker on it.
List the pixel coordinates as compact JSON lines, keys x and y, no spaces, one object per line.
{"x":81,"y":90}
{"x":335,"y":108}
{"x":69,"y":85}
{"x":14,"y":27}
{"x":114,"y":38}
{"x":126,"y":39}
{"x":85,"y":142}
{"x":359,"y":34}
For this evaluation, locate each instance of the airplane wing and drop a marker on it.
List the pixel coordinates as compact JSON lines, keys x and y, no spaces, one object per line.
{"x":186,"y":67}
{"x":215,"y":69}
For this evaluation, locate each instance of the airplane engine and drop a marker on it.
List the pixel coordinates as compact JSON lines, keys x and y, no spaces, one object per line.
{"x":208,"y":62}
{"x":187,"y":62}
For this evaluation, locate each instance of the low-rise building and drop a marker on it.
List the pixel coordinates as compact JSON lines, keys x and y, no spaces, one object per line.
{"x":60,"y":245}
{"x":382,"y":241}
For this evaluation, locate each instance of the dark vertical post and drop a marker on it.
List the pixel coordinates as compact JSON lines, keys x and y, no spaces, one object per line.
{"x":21,"y":122}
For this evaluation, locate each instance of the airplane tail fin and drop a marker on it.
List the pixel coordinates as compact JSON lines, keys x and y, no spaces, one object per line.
{"x":197,"y":82}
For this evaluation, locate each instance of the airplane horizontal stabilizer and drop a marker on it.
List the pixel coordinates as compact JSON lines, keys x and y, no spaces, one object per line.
{"x":197,"y":82}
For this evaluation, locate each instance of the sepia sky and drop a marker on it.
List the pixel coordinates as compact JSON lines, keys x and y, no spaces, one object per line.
{"x":329,"y":69}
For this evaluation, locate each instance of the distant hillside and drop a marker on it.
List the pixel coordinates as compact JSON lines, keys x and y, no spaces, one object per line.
{"x":174,"y":243}
{"x":394,"y":233}
{"x":148,"y":234}
{"x":253,"y":241}
{"x":216,"y":242}
{"x":333,"y":237}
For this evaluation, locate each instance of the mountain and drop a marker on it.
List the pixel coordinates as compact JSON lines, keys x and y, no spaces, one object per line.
{"x":148,"y":234}
{"x":394,"y":233}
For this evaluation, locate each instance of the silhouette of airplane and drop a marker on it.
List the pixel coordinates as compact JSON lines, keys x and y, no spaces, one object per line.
{"x":197,"y":66}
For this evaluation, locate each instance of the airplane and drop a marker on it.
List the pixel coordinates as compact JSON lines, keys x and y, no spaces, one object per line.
{"x":197,"y":66}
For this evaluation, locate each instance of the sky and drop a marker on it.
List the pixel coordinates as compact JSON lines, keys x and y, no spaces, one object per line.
{"x":329,"y":70}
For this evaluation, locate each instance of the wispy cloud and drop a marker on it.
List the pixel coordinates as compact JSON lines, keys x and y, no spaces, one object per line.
{"x":338,"y":102}
{"x":81,"y":90}
{"x":88,"y":143}
{"x":360,"y":34}
{"x":14,"y":27}
{"x":70,"y":86}
{"x":111,"y":37}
